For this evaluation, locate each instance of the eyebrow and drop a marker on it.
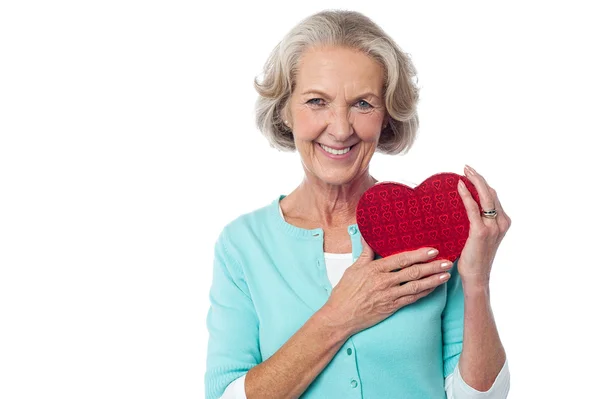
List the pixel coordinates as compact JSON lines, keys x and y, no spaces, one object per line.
{"x":321,"y":93}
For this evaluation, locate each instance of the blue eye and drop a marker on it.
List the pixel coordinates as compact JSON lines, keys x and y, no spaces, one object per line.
{"x":314,"y":99}
{"x":362,"y":104}
{"x":365,"y":105}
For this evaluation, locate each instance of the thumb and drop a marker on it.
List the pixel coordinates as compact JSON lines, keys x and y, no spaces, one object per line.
{"x":367,"y":252}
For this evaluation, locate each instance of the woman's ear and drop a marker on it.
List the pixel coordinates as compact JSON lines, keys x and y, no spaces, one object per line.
{"x":285,"y":117}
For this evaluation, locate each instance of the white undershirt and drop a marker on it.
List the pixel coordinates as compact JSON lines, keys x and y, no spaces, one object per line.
{"x":455,"y":386}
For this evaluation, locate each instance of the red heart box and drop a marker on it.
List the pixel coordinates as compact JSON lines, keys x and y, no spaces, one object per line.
{"x":394,"y":218}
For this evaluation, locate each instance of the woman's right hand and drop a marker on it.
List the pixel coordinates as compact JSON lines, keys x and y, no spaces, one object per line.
{"x":372,"y":290}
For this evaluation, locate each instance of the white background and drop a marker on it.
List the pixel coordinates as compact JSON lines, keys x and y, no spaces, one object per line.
{"x":127,"y":141}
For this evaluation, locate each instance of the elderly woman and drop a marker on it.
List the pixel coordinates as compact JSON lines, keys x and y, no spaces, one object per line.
{"x":300,"y":304}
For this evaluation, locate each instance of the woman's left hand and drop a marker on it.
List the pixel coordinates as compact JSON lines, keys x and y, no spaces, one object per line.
{"x":485,"y":234}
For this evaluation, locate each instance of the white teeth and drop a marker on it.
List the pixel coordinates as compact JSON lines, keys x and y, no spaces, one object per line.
{"x":334,"y":151}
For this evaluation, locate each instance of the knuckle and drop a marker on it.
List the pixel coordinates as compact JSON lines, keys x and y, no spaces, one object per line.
{"x":479,"y":232}
{"x":414,"y":287}
{"x":413,"y":273}
{"x":407,"y":300}
{"x":364,"y":257}
{"x":383,"y":266}
{"x":376,"y":266}
{"x":403,"y":261}
{"x":390,"y":305}
{"x":380,"y":283}
{"x":411,"y":298}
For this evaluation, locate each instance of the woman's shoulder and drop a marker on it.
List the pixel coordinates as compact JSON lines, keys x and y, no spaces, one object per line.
{"x":250,"y":222}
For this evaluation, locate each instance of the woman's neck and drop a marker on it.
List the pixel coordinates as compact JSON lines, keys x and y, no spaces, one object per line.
{"x":318,"y":203}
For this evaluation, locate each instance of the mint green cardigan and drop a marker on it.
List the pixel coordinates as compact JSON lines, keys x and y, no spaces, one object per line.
{"x":269,"y":278}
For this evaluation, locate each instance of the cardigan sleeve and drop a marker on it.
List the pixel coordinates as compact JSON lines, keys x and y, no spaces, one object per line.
{"x":453,"y":321}
{"x":457,"y":388}
{"x":233,"y":346}
{"x":236,"y":389}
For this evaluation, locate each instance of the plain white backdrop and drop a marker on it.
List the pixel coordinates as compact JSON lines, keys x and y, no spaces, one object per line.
{"x":127,"y":142}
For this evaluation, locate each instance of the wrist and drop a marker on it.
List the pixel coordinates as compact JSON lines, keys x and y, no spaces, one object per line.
{"x":476,"y":290}
{"x":475,"y":280}
{"x":333,"y":327}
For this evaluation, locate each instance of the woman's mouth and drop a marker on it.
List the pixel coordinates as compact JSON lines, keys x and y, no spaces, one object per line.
{"x":336,"y":153}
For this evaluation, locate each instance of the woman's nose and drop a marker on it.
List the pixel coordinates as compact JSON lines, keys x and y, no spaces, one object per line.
{"x":340,"y":125}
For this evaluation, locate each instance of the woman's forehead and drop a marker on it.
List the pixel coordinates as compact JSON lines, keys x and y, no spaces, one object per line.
{"x":329,"y":67}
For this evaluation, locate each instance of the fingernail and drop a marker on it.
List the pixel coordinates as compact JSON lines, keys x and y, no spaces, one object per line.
{"x":432,"y":252}
{"x":446,"y":265}
{"x":470,"y":169}
{"x":445,"y":276}
{"x":461,"y":185}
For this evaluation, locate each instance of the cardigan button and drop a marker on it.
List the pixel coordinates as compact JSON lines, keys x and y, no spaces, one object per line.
{"x":353,"y":383}
{"x":349,"y":351}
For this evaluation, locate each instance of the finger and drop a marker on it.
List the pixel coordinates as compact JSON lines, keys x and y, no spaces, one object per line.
{"x":415,"y":287}
{"x":485,"y":197}
{"x":408,"y":299}
{"x":499,"y":208}
{"x":405,"y":259}
{"x":367,"y":253}
{"x":418,"y":271}
{"x":471,"y":206}
{"x":503,"y":220}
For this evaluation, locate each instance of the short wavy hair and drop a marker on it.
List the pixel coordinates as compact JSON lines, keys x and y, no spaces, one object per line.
{"x":348,"y":29}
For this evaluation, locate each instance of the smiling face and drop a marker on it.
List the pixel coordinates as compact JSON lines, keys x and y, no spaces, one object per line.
{"x":337,"y":113}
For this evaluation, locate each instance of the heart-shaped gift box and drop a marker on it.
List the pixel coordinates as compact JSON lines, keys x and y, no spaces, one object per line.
{"x":394,"y":218}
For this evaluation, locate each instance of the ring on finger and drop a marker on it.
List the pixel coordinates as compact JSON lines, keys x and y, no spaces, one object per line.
{"x":491,"y":214}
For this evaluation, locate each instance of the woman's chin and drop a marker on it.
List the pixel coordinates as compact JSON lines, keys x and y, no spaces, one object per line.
{"x":337,"y":179}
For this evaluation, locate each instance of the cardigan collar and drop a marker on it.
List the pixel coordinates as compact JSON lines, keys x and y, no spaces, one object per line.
{"x":298,"y":231}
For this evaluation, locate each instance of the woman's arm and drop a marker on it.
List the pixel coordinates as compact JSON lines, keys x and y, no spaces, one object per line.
{"x":289,"y":372}
{"x":483,"y":355}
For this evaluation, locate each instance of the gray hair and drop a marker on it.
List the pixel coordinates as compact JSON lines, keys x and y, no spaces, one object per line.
{"x":349,"y":29}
